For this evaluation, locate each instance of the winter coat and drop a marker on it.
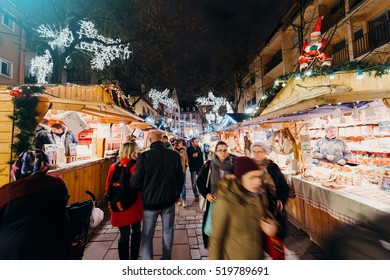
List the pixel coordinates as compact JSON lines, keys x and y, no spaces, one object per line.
{"x":158,"y":177}
{"x":34,"y":224}
{"x":183,"y":158}
{"x":195,"y":162}
{"x":236,"y":233}
{"x":132,"y":215}
{"x":204,"y":191}
{"x":43,"y":136}
{"x":66,"y":138}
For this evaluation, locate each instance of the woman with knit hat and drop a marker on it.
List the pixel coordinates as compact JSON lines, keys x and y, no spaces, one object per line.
{"x":240,"y":218}
{"x":209,"y":175}
{"x":277,"y":188}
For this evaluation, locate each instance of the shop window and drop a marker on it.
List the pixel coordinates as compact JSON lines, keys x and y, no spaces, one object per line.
{"x":6,"y":68}
{"x":7,"y":21}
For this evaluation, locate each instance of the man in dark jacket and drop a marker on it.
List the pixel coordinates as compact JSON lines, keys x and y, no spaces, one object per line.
{"x":34,"y":224}
{"x":195,"y":159}
{"x":63,"y":136}
{"x":43,"y":135}
{"x":157,"y":176}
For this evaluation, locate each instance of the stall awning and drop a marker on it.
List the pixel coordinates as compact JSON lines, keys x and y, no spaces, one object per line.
{"x":92,"y":100}
{"x":312,"y":93}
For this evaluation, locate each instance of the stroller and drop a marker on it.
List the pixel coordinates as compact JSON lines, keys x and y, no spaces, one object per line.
{"x":80,"y":215}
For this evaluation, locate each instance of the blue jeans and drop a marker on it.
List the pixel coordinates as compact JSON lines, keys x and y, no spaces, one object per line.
{"x":194,"y":176}
{"x":148,"y":227}
{"x":184,"y":191}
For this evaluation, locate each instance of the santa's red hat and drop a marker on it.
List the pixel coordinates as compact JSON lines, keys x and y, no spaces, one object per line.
{"x":317,"y":28}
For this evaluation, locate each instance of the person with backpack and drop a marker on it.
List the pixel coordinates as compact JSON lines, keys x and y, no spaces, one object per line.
{"x":34,"y":223}
{"x":127,"y":220}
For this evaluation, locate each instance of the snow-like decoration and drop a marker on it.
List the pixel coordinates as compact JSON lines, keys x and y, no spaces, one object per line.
{"x":162,"y":98}
{"x":217,"y":103}
{"x":61,"y":39}
{"x":104,"y":49}
{"x":41,"y":66}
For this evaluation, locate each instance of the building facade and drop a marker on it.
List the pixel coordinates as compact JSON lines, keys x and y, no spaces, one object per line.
{"x":354,"y":30}
{"x":12,"y":45}
{"x":190,"y":121}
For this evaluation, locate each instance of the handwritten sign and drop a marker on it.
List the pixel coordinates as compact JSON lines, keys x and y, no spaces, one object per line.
{"x":72,"y":149}
{"x":51,"y":151}
{"x":384,"y":184}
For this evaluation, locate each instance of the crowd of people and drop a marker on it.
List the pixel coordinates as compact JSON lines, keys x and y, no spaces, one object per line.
{"x":245,"y":197}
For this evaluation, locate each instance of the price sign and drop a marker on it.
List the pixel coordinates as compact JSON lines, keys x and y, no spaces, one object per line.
{"x":384,"y":184}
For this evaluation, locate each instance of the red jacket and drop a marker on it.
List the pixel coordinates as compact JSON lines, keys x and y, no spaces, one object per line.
{"x":132,"y":215}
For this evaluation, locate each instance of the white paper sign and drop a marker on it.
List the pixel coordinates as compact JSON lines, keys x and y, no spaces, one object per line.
{"x":74,"y":122}
{"x":103,"y":130}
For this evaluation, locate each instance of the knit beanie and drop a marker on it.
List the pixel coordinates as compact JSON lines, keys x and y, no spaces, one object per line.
{"x":243,"y":165}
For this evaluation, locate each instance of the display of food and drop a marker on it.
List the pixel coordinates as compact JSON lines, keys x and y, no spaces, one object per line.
{"x":358,"y":175}
{"x":318,"y":174}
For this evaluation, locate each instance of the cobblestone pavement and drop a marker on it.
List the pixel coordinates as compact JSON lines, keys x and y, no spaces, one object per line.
{"x":188,"y":243}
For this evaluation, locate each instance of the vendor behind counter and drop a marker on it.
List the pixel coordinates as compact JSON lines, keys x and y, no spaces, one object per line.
{"x":63,"y":136}
{"x":331,"y":149}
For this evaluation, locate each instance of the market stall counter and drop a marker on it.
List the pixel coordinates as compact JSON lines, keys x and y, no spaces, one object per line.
{"x":83,"y":175}
{"x":319,"y":210}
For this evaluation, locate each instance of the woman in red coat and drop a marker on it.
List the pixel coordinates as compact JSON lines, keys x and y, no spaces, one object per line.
{"x":130,"y":219}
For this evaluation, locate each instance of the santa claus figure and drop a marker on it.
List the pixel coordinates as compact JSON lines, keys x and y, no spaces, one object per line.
{"x":312,"y":48}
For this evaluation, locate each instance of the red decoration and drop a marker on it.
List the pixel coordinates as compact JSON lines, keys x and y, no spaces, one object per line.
{"x":312,"y":48}
{"x":16,"y":92}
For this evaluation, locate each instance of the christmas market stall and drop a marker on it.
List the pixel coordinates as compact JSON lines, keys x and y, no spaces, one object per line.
{"x":332,"y":191}
{"x":99,"y":117}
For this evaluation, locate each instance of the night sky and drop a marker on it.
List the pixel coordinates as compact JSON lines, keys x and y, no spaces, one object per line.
{"x":234,"y":29}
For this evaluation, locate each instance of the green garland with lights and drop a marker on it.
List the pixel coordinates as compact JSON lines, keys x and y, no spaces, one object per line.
{"x":380,"y":69}
{"x":23,"y":117}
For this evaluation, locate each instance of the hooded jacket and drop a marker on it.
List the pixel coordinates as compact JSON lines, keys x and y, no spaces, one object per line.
{"x":43,"y":136}
{"x":157,"y":177}
{"x":236,"y":233}
{"x":66,"y":138}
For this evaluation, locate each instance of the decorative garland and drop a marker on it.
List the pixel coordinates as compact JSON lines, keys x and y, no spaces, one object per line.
{"x":380,"y":69}
{"x":24,"y":116}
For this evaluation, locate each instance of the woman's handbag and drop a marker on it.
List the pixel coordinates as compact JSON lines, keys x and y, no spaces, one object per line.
{"x":209,"y":220}
{"x":274,"y":247}
{"x":202,"y":200}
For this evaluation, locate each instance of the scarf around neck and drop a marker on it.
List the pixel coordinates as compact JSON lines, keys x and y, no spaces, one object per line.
{"x":267,"y":179}
{"x":215,"y":166}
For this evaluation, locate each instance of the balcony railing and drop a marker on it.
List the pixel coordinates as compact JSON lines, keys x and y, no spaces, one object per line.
{"x":275,"y":60}
{"x":333,"y":16}
{"x":340,"y":55}
{"x":373,"y":39}
{"x":354,"y":3}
